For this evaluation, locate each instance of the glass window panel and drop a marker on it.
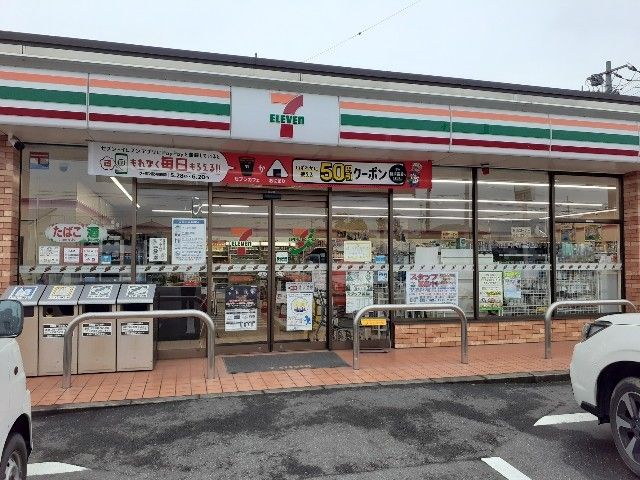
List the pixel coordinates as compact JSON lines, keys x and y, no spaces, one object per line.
{"x":513,"y":243}
{"x":433,"y":238}
{"x":583,"y":198}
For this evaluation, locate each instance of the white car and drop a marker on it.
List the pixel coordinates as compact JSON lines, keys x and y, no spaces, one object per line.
{"x":15,"y":398}
{"x":605,"y":376}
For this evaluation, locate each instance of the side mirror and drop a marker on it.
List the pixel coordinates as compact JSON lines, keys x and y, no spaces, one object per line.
{"x":11,"y":318}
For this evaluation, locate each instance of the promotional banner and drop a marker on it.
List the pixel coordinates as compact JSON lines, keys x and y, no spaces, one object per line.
{"x":160,"y":163}
{"x":490,"y":286}
{"x":75,"y":233}
{"x":359,"y":290}
{"x":189,"y":241}
{"x":299,"y":306}
{"x":240,"y":308}
{"x":425,"y":287}
{"x":512,"y":282}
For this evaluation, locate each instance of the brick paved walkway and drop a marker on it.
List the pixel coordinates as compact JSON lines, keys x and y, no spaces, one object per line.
{"x":173,"y":378}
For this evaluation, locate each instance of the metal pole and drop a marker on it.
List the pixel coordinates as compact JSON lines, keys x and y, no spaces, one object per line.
{"x":608,"y":84}
{"x":68,"y":334}
{"x":573,"y":303}
{"x":404,"y":307}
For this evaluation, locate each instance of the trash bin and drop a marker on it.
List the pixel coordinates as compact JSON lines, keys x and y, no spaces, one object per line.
{"x":135,"y":336}
{"x":56,"y":308}
{"x":28,"y":295}
{"x":97,"y":338}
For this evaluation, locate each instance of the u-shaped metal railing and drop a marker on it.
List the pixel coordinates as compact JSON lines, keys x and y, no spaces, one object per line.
{"x":68,"y":334}
{"x":407,"y":307}
{"x":548,"y":315}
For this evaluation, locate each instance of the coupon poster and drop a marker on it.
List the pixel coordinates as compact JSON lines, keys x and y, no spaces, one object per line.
{"x":359,"y":290}
{"x":512,"y":282}
{"x":299,"y":306}
{"x":189,"y":241}
{"x":490,"y":285}
{"x":240,"y":308}
{"x":425,"y":287}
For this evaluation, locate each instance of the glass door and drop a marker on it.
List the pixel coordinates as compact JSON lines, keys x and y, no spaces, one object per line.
{"x":299,"y":308}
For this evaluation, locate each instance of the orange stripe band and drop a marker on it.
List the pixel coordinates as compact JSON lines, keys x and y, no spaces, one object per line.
{"x":155,"y":88}
{"x":43,"y":78}
{"x":282,"y":98}
{"x":503,"y":117}
{"x":591,"y":124}
{"x":374,"y":107}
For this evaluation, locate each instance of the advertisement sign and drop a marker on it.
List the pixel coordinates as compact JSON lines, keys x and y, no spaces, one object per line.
{"x":282,"y":257}
{"x":71,"y":255}
{"x":158,"y":249}
{"x":359,"y":290}
{"x":189,"y":241}
{"x":160,"y":163}
{"x":284,"y":116}
{"x":490,"y":286}
{"x":75,"y":233}
{"x":512,"y":282}
{"x":90,"y":255}
{"x":425,"y":287}
{"x":299,"y":306}
{"x":240,"y":308}
{"x":48,"y":255}
{"x":357,"y":251}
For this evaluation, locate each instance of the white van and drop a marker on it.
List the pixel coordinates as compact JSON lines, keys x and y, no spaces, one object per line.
{"x":15,"y":398}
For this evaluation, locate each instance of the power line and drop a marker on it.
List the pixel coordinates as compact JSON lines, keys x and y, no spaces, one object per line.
{"x":364,"y":30}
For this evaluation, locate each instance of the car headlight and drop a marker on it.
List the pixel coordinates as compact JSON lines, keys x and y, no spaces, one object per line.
{"x":590,"y":329}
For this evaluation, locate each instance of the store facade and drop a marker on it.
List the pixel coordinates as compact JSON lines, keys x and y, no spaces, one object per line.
{"x":281,"y":197}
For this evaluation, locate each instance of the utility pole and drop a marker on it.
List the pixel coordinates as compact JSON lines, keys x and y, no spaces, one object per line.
{"x":608,"y":84}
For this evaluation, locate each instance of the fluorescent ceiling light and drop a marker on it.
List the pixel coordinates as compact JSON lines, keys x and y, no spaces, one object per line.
{"x":589,"y":187}
{"x":512,"y":184}
{"x":418,"y":209}
{"x":503,"y":219}
{"x":523,"y":212}
{"x":170,"y":211}
{"x":123,"y":190}
{"x":414,"y":199}
{"x":437,"y":218}
{"x":594,"y":212}
{"x":324,"y":215}
{"x":359,"y":208}
{"x":449,"y":181}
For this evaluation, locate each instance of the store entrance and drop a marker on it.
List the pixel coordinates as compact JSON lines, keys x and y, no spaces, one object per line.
{"x":269,"y":271}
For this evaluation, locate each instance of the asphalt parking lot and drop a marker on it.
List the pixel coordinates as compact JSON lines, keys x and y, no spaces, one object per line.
{"x":432,"y":431}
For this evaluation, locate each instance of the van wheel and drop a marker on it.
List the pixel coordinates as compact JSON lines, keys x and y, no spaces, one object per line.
{"x":14,"y":459}
{"x":624,"y":414}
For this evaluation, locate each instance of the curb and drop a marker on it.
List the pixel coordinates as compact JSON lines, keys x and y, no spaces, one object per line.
{"x":527,"y":377}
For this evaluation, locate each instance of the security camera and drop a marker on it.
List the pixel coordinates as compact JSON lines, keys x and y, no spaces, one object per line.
{"x":16,"y":143}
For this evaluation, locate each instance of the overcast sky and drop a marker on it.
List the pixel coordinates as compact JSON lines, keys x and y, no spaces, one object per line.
{"x":538,"y":42}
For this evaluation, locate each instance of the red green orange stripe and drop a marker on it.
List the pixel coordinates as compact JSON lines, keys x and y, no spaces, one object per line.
{"x":43,"y":78}
{"x":156,"y":88}
{"x":157,"y":121}
{"x":377,"y":107}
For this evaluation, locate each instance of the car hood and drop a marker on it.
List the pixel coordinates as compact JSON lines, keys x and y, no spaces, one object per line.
{"x":622,"y":319}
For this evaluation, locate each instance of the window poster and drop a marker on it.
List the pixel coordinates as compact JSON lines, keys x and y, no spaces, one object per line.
{"x":240,"y":308}
{"x":299,"y":306}
{"x":512,"y":283}
{"x":189,"y":241}
{"x":357,"y":251}
{"x":48,"y":255}
{"x":359,"y":290}
{"x":71,"y":255}
{"x":423,"y":287}
{"x":491,"y":291}
{"x":158,"y":249}
{"x":90,"y":255}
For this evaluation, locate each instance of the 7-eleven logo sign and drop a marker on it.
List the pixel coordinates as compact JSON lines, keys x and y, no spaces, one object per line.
{"x":243,"y":235}
{"x":287,"y":119}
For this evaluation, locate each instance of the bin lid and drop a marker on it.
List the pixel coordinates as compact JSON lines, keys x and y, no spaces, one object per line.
{"x":28,"y":295}
{"x":61,"y":295}
{"x":99,"y":294}
{"x":137,"y":293}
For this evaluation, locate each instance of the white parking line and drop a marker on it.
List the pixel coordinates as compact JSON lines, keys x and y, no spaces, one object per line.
{"x":51,"y":468}
{"x":567,"y":418}
{"x":505,"y":469}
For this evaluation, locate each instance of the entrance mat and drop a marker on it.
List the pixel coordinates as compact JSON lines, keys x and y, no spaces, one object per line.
{"x":282,"y":361}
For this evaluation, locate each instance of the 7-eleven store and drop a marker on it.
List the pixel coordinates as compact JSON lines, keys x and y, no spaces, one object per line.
{"x":281,"y":197}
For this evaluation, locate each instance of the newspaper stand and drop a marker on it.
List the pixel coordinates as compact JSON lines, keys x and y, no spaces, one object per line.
{"x":97,"y":339}
{"x":135,"y":336}
{"x":28,"y":295}
{"x":58,"y":305}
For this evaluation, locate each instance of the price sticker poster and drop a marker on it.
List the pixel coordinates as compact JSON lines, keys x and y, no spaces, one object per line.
{"x":359,"y":290}
{"x":425,"y":287}
{"x":241,"y":308}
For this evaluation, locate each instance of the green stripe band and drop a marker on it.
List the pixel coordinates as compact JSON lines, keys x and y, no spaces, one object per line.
{"x":159,"y":104}
{"x":596,"y":137}
{"x":390,"y":122}
{"x":501,"y":130}
{"x":42,"y":95}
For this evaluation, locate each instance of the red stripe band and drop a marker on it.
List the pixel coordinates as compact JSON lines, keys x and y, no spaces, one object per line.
{"x":42,"y":113}
{"x":467,"y":142}
{"x":381,"y":137}
{"x":166,"y":122}
{"x":594,"y":151}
